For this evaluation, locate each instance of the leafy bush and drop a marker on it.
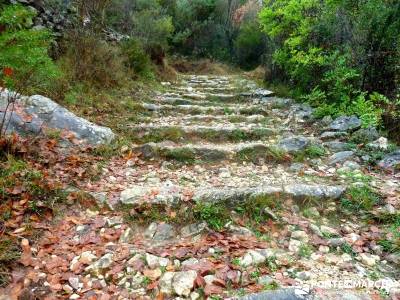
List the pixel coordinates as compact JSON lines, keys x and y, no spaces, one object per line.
{"x":24,"y":51}
{"x":336,"y":53}
{"x":249,"y":45}
{"x":365,"y":108}
{"x":137,"y":59}
{"x":147,"y":21}
{"x":91,"y":60}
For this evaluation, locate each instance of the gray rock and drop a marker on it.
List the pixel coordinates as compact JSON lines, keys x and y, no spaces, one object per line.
{"x":100,"y":197}
{"x":113,"y":221}
{"x":151,"y":230}
{"x":369,"y":259}
{"x":275,"y":102}
{"x":166,"y":283}
{"x":326,"y":120}
{"x":74,"y":282}
{"x":183,"y":282}
{"x":303,"y":111}
{"x":342,"y":295}
{"x":164,"y":232}
{"x":327,"y":135}
{"x":44,"y":113}
{"x":103,"y":263}
{"x":239,"y":230}
{"x":282,"y":294}
{"x":294,"y":245}
{"x":126,"y":236}
{"x":270,"y":214}
{"x":151,"y":107}
{"x":304,"y":275}
{"x":156,"y":261}
{"x":336,"y":242}
{"x":133,"y":195}
{"x":393,"y":258}
{"x":262,"y":93}
{"x":336,"y":146}
{"x":210,"y":154}
{"x":351,"y":165}
{"x":340,"y":157}
{"x":265,"y":280}
{"x":297,"y":167}
{"x":300,"y":235}
{"x":316,"y":230}
{"x":294,"y":144}
{"x":391,"y":162}
{"x":345,"y":123}
{"x":168,"y":193}
{"x":316,"y":162}
{"x":190,"y":262}
{"x":302,"y":191}
{"x":365,"y":135}
{"x":311,"y":212}
{"x":379,"y":144}
{"x":82,"y":230}
{"x":230,"y":195}
{"x":149,"y":150}
{"x":252,"y":258}
{"x":193,"y":229}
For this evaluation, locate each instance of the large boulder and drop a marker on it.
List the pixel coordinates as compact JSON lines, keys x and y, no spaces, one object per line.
{"x":365,"y":135}
{"x":35,"y":113}
{"x":340,"y":157}
{"x":391,"y":162}
{"x":345,"y":123}
{"x":294,"y":144}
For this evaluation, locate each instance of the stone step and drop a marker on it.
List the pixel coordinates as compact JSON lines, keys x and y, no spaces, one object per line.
{"x":172,"y":100}
{"x":217,"y":89}
{"x":196,"y":109}
{"x":216,"y":133}
{"x":205,"y":119}
{"x":257,"y":152}
{"x":201,"y":98}
{"x":168,"y":194}
{"x":220,"y":95}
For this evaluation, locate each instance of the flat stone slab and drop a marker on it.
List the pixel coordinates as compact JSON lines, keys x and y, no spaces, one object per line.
{"x":217,"y":132}
{"x":204,"y":119}
{"x":169,"y":194}
{"x":239,"y":109}
{"x":207,"y":152}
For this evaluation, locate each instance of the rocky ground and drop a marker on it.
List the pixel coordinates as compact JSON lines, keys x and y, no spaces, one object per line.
{"x":229,"y":193}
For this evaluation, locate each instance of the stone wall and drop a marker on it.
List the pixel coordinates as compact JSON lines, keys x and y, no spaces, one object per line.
{"x":54,"y":16}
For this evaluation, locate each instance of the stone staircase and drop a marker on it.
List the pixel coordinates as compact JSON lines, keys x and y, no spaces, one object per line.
{"x":228,"y":193}
{"x":237,"y":136}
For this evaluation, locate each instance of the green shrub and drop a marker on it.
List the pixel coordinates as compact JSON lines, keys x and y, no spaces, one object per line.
{"x":137,"y":59}
{"x":365,"y":108}
{"x":90,"y":60}
{"x":360,"y":198}
{"x":216,"y":215}
{"x":249,"y":45}
{"x":336,"y":53}
{"x":24,"y":51}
